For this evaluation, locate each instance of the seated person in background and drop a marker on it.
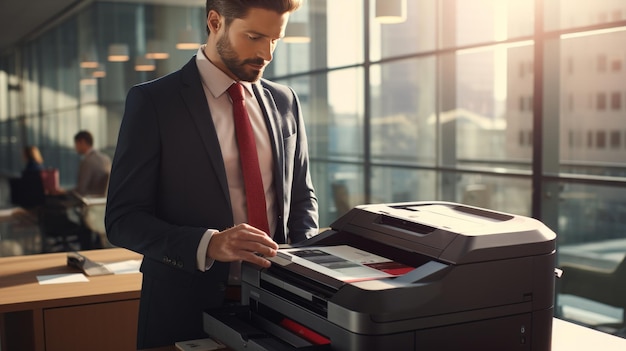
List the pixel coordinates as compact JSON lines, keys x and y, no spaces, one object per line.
{"x":32,"y":156}
{"x":27,"y":191}
{"x":94,"y":169}
{"x":92,"y":181}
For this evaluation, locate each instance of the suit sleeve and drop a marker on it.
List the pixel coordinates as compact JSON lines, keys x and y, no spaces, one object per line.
{"x":303,"y":212}
{"x":131,"y":219}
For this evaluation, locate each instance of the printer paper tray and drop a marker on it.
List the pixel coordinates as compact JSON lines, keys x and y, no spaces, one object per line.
{"x":242,"y":330}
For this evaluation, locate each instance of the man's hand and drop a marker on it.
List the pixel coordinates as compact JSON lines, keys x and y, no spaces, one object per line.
{"x":242,"y":242}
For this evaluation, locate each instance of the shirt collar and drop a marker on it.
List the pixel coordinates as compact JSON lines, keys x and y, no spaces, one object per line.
{"x":213,"y":78}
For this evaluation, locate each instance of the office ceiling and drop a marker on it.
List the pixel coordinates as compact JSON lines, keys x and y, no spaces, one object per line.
{"x":24,"y":19}
{"x":20,"y":18}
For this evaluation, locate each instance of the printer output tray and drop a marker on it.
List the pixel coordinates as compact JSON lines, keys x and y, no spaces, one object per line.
{"x":241,"y":330}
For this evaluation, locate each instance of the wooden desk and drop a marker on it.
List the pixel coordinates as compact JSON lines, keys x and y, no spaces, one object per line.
{"x":97,"y":315}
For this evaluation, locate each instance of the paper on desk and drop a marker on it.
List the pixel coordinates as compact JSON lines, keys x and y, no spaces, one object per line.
{"x":61,"y":278}
{"x":124,"y":267}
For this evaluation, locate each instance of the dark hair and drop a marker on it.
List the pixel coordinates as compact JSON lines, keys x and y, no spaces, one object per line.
{"x":32,"y":154}
{"x":231,"y":9}
{"x":84,"y":135}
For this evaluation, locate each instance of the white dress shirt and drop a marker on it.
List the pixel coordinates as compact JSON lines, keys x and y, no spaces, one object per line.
{"x":215,"y":83}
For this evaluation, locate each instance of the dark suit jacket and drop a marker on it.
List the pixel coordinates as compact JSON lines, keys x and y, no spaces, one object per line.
{"x":168,"y":186}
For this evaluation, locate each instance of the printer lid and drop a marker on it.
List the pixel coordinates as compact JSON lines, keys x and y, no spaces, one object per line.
{"x":450,"y":232}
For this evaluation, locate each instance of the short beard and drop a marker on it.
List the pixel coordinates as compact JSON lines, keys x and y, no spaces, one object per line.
{"x":231,"y":61}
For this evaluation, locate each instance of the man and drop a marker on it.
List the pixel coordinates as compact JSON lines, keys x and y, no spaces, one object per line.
{"x":177,"y":193}
{"x":94,"y":168}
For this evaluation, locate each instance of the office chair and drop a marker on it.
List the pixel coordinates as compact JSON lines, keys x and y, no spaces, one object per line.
{"x":63,"y":225}
{"x":28,"y":190}
{"x":92,"y":211}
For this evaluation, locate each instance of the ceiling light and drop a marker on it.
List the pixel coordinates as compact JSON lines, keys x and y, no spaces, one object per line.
{"x":297,"y":32}
{"x":118,"y":53}
{"x":155,"y":51}
{"x":143,"y":64}
{"x":390,"y":11}
{"x":188,"y":40}
{"x":99,"y":72}
{"x":88,"y":60}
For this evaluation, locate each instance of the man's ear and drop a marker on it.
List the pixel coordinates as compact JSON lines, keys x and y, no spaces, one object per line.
{"x":214,"y":21}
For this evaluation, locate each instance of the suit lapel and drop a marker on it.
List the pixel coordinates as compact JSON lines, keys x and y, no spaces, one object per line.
{"x":193,"y":95}
{"x":273,"y":121}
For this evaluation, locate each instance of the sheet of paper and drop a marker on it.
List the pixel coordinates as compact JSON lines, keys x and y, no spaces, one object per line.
{"x":346,"y":263}
{"x":62,"y":278}
{"x":124,"y":267}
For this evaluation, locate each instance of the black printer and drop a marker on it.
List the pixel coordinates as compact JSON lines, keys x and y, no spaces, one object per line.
{"x":401,"y":276}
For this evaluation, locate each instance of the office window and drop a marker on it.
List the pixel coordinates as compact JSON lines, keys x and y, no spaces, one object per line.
{"x":336,"y":39}
{"x":570,"y":102}
{"x":565,"y":14}
{"x":483,"y":21}
{"x":332,"y":105}
{"x":616,"y":139}
{"x":600,"y":139}
{"x":616,"y":101}
{"x":601,"y":63}
{"x":394,"y":184}
{"x":616,"y":65}
{"x":415,"y":35}
{"x":601,"y":101}
{"x":403,"y":121}
{"x":491,"y":191}
{"x":570,"y":66}
{"x":339,"y":187}
{"x":476,"y":112}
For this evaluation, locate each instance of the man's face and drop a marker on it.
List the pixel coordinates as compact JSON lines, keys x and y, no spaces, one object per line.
{"x":246,"y":46}
{"x":81,"y":146}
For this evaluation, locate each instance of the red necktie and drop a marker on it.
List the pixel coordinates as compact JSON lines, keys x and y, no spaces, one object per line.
{"x":253,"y":183}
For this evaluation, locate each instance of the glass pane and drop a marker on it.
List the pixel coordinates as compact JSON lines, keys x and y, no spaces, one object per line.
{"x":506,"y":194}
{"x":468,"y":22}
{"x":31,"y":89}
{"x":592,"y":255}
{"x":332,"y":105}
{"x":403,"y":123}
{"x":68,"y":69}
{"x":49,"y":79}
{"x":391,"y":184}
{"x":564,"y":14}
{"x":5,"y":146}
{"x":335,"y":39}
{"x":593,"y":103}
{"x":345,"y":45}
{"x":338,"y":187}
{"x":416,"y":34}
{"x":490,"y":120}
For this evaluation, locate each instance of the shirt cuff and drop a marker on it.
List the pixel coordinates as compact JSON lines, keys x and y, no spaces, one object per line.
{"x":205,"y":264}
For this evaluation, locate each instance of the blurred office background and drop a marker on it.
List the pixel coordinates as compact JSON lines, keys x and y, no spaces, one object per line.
{"x":516,"y":105}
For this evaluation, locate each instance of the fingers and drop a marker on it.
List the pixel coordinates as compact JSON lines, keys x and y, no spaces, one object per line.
{"x":242,"y":242}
